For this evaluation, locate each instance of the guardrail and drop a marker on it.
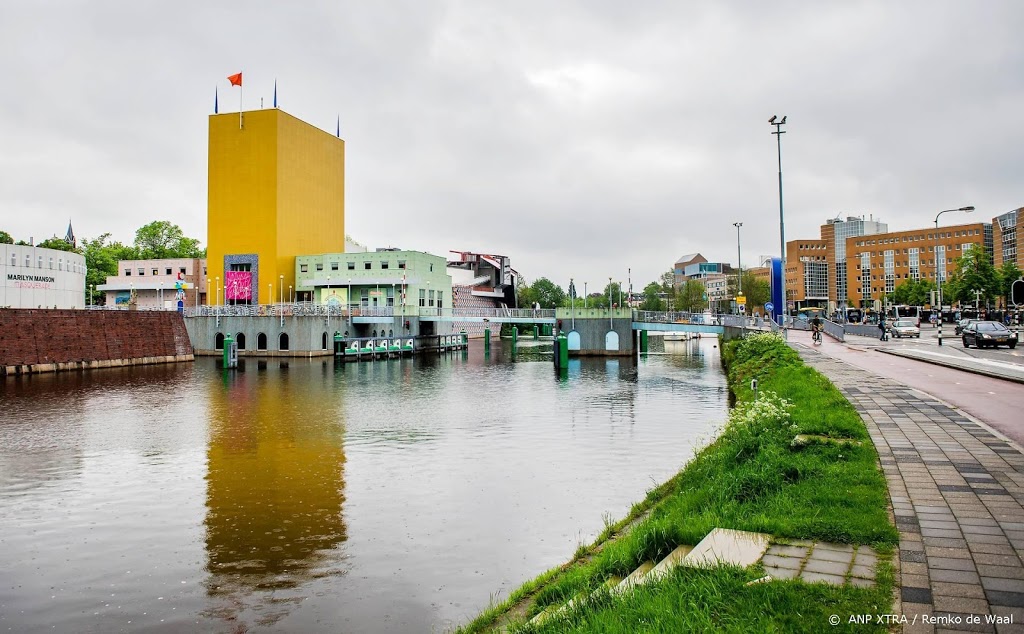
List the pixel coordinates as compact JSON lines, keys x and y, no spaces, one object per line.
{"x":490,"y":313}
{"x":834,"y":330}
{"x":662,"y":317}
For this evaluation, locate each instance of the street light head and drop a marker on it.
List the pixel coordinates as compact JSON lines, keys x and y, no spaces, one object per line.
{"x":783,"y":120}
{"x":772,"y":120}
{"x":967,"y":209}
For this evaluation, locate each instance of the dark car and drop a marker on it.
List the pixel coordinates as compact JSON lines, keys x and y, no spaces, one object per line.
{"x":963,"y":323}
{"x":988,"y":333}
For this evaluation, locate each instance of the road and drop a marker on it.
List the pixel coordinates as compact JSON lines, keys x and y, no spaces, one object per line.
{"x":996,"y":402}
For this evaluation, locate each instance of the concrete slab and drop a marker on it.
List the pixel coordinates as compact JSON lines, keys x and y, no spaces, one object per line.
{"x":727,"y":546}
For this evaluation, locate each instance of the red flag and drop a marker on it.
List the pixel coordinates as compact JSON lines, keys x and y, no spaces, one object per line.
{"x":236,"y":79}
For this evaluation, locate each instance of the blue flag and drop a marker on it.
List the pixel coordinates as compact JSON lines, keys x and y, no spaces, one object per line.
{"x":275,"y":93}
{"x":214,"y":100}
{"x":337,"y":130}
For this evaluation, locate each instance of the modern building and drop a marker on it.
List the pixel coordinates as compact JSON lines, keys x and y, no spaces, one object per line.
{"x":679,"y":268}
{"x":276,"y":191}
{"x":34,"y":277}
{"x":880,"y":262}
{"x":385,"y":278}
{"x":835,"y":232}
{"x":159,"y":284}
{"x":1004,"y":238}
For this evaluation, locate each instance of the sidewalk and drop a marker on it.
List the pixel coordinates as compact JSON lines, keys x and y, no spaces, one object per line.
{"x":956,"y":491}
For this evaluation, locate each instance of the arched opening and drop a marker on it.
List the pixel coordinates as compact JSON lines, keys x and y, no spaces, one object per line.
{"x":218,"y":342}
{"x":574,"y":340}
{"x":611,"y":340}
{"x":261,"y":341}
{"x":240,"y":339}
{"x":284,"y":341}
{"x":323,"y":342}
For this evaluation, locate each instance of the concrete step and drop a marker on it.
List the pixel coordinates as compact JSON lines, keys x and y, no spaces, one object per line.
{"x":674,"y":558}
{"x":633,"y":577}
{"x":727,"y":546}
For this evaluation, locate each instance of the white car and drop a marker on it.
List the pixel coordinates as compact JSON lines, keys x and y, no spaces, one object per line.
{"x":905,"y":328}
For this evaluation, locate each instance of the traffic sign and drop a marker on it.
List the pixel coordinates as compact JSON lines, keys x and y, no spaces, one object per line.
{"x":1017,"y":292}
{"x":741,"y":299}
{"x":769,"y":307}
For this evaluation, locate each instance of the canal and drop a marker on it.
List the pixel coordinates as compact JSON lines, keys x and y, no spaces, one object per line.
{"x":296,"y":496}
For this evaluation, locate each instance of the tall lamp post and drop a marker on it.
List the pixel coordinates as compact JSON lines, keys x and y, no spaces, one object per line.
{"x":782,"y":224}
{"x":739,"y":260}
{"x":938,"y":278}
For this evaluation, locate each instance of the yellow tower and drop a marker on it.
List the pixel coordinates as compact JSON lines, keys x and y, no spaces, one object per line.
{"x":276,"y":190}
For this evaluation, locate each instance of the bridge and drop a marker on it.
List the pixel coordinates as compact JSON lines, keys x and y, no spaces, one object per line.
{"x":652,"y":321}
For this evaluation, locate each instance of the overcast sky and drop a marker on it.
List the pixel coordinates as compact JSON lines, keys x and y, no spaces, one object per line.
{"x":579,"y":138}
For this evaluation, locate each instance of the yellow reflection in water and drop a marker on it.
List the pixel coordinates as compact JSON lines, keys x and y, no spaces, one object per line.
{"x":274,"y":488}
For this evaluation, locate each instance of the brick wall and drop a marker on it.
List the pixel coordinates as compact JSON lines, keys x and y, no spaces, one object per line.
{"x":32,"y":337}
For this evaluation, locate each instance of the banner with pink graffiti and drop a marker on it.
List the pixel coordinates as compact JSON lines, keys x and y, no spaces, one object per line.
{"x":238,"y":285}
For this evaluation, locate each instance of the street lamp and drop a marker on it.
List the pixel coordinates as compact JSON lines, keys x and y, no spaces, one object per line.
{"x":782,"y":225}
{"x":611,"y":325}
{"x":348,"y":300}
{"x":207,"y":291}
{"x":938,"y":278}
{"x":739,"y":261}
{"x":217,"y":296}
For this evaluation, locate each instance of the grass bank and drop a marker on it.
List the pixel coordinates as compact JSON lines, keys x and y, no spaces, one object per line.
{"x":752,"y":477}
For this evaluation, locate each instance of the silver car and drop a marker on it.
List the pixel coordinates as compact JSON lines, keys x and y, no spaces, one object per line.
{"x":905,"y":328}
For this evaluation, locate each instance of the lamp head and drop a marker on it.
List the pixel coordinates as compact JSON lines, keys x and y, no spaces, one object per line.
{"x":967,"y":209}
{"x":783,"y":119}
{"x":772,"y":120}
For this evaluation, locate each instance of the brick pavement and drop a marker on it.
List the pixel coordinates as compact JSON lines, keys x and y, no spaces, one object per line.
{"x":957,"y":491}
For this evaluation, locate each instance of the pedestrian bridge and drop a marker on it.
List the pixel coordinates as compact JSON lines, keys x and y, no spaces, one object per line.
{"x":653,"y":321}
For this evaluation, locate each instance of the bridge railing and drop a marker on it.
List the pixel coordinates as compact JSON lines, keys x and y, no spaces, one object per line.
{"x":661,"y":317}
{"x":490,"y":313}
{"x":834,"y":330}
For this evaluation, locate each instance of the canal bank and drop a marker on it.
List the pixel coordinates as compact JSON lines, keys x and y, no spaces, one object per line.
{"x":824,"y":493}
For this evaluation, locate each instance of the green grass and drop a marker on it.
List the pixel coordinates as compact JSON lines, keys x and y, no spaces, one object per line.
{"x":750,"y":478}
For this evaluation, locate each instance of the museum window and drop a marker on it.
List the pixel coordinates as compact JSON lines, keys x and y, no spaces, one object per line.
{"x":28,"y":260}
{"x":319,"y":266}
{"x":334,"y":266}
{"x":367,"y":265}
{"x":303,"y":268}
{"x":351,"y":266}
{"x":127,"y":272}
{"x":385,"y":264}
{"x":168,"y":271}
{"x":142,"y":271}
{"x":39,"y":262}
{"x":401,"y":264}
{"x":156,"y":271}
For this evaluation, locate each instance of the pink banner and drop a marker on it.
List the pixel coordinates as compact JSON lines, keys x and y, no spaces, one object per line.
{"x":238,"y":285}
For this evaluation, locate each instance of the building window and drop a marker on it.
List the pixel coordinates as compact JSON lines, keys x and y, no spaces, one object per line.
{"x":168,"y":271}
{"x":28,"y":260}
{"x":39,"y":262}
{"x":14,"y":260}
{"x":431,"y":298}
{"x":127,"y":272}
{"x":156,"y":271}
{"x":60,"y":264}
{"x":204,"y":270}
{"x":181,"y":270}
{"x":384,"y":264}
{"x":401,"y":264}
{"x":440,"y":304}
{"x":367,"y":265}
{"x":423,"y":297}
{"x":142,"y":271}
{"x":304,"y":268}
{"x":319,"y":266}
{"x":351,"y":266}
{"x":334,"y":266}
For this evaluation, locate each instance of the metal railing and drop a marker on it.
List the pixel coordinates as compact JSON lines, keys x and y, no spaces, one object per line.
{"x":834,"y":330}
{"x":662,"y":317}
{"x":490,"y":313}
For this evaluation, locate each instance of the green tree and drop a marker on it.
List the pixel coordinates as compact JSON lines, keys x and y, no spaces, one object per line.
{"x":5,"y":238}
{"x":690,"y":297}
{"x":652,"y":297}
{"x":101,"y":261}
{"x":524,"y":293}
{"x":1008,"y":273}
{"x":547,"y":293}
{"x":56,"y":243}
{"x":912,"y":292}
{"x":757,"y":291}
{"x":163,"y":239}
{"x":974,"y":272}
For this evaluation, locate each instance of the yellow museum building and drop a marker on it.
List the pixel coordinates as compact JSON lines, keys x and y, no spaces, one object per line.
{"x":276,"y":191}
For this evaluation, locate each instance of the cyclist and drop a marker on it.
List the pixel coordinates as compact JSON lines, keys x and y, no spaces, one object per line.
{"x":816,"y":329}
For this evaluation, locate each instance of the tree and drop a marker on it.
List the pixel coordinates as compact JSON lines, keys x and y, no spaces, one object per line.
{"x":101,"y":260}
{"x":912,"y":292}
{"x":56,"y":243}
{"x":690,"y":297}
{"x":163,"y":239}
{"x":547,"y":293}
{"x":1008,"y":273}
{"x":5,"y":238}
{"x":757,"y":291}
{"x":652,"y":297}
{"x":974,"y":272}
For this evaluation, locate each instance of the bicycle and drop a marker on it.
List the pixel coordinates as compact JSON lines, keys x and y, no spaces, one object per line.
{"x":816,"y":337}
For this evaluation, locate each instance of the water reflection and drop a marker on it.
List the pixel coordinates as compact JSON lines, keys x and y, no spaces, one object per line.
{"x":275,"y":489}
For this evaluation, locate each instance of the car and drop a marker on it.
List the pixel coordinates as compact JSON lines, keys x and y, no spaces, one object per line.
{"x":905,"y":328}
{"x":963,"y":323}
{"x":988,"y":333}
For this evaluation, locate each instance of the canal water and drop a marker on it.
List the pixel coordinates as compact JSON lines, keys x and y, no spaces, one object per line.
{"x":297,"y":496}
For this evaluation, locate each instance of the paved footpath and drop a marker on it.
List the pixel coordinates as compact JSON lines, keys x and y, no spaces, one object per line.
{"x":957,"y":490}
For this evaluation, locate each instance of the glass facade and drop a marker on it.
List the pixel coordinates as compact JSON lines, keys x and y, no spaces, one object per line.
{"x":1008,"y":240}
{"x":890,"y":271}
{"x":914,"y":262}
{"x":850,"y":228}
{"x":940,"y":262}
{"x":816,"y":280}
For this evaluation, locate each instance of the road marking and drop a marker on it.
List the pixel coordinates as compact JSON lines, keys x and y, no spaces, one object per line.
{"x":991,"y":392}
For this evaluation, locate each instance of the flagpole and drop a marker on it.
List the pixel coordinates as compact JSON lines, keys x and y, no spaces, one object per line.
{"x":240,"y":102}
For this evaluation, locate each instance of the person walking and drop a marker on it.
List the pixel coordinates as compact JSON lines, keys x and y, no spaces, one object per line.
{"x":881,"y":326}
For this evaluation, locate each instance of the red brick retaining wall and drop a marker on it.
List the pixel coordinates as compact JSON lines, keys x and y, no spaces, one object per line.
{"x":36,"y":340}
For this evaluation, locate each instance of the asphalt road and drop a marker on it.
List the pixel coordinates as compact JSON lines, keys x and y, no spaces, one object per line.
{"x":996,"y":402}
